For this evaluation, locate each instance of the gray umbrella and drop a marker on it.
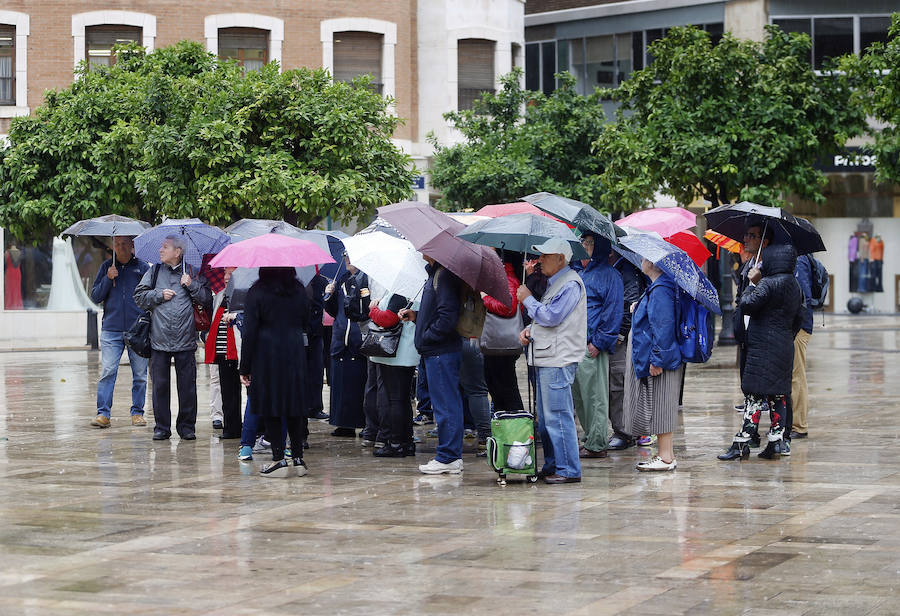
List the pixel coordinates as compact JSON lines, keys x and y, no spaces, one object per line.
{"x":575,"y":213}
{"x":111,"y":225}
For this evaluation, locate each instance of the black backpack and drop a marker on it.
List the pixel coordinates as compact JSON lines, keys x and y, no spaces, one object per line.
{"x":818,"y":283}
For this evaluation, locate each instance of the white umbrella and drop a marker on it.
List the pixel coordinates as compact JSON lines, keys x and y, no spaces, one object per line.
{"x":392,"y":262}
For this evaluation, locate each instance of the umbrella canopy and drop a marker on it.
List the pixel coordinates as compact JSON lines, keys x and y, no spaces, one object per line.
{"x":271,"y":250}
{"x":466,"y":218}
{"x":733,"y":221}
{"x":390,"y":261}
{"x":575,"y":212}
{"x":199,"y":238}
{"x":677,"y":264}
{"x":329,"y":241}
{"x":519,"y":232}
{"x":692,"y":245}
{"x":664,"y":220}
{"x":433,"y":233}
{"x":722,"y":241}
{"x":519,"y":207}
{"x":111,"y":225}
{"x":382,"y":226}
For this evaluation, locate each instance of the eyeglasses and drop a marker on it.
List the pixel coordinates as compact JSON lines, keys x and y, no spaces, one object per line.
{"x":751,"y":236}
{"x":587,"y":240}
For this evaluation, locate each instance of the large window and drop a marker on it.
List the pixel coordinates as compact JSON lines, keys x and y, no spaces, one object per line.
{"x":7,"y":65}
{"x":99,"y":41}
{"x":249,"y":47}
{"x":358,"y":53}
{"x":540,"y":66}
{"x":475,"y":70}
{"x":834,"y":36}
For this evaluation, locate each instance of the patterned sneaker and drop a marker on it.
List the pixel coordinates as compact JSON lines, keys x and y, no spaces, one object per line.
{"x":262,"y":445}
{"x":656,"y":464}
{"x":422,"y":419}
{"x":646,"y":441}
{"x":245,"y":453}
{"x":784,"y":448}
{"x":276,"y":469}
{"x":300,"y":467}
{"x":439,"y":468}
{"x":469,"y":434}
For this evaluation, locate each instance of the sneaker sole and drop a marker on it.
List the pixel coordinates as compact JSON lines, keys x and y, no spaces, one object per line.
{"x":645,"y":469}
{"x":441,"y":472}
{"x":284,"y":471}
{"x":301,"y":472}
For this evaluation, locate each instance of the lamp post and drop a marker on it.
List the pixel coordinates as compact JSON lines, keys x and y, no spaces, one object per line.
{"x":726,"y":299}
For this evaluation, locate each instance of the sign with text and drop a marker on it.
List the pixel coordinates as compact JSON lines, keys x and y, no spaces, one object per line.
{"x":849,"y":161}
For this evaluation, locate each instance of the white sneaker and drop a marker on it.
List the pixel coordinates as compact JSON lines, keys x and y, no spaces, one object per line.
{"x":262,"y":445}
{"x":656,"y":464}
{"x":438,"y":468}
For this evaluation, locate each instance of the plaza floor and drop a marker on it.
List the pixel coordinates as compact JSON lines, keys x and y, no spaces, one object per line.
{"x":109,"y":522}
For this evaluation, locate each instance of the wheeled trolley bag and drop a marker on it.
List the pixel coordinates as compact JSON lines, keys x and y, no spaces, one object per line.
{"x":510,"y":447}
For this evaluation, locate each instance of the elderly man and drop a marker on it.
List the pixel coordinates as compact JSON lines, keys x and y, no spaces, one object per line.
{"x":173,"y":336}
{"x":557,"y":339}
{"x":114,"y":288}
{"x":604,"y":289}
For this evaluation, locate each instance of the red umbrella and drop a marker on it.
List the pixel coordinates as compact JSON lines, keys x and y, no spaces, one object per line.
{"x":271,"y":250}
{"x":519,"y":207}
{"x":692,"y":245}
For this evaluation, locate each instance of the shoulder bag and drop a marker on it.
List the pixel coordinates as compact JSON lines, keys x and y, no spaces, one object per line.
{"x":137,"y":338}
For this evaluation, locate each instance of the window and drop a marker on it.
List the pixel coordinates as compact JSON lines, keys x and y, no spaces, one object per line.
{"x":249,"y":47}
{"x":541,"y":67}
{"x":514,"y":50}
{"x":7,"y":65}
{"x":832,"y":37}
{"x":873,"y":30}
{"x":475,"y":70}
{"x":99,"y":41}
{"x":835,"y":36}
{"x":358,"y":53}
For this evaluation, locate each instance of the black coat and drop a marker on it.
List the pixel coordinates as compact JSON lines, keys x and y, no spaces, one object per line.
{"x":774,"y":310}
{"x":273,"y":351}
{"x":438,"y":313}
{"x":349,"y":305}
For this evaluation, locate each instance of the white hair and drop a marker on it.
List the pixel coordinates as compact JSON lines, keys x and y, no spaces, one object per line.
{"x":177,"y":242}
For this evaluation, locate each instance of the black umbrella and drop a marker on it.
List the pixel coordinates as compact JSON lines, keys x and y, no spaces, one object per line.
{"x":733,"y":220}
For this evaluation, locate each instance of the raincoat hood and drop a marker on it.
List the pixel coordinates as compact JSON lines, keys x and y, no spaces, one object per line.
{"x":778,"y":259}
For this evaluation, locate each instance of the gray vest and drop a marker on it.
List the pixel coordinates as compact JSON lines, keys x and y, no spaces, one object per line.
{"x":554,"y":347}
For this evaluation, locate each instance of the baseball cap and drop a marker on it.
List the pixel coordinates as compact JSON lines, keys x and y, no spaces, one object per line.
{"x":554,"y":246}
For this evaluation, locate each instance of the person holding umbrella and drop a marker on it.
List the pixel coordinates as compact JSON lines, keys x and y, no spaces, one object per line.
{"x":557,"y":338}
{"x":173,"y":335}
{"x":114,"y":287}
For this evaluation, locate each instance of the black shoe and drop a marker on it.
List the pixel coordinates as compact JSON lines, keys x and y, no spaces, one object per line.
{"x":389,"y":451}
{"x":737,"y":450}
{"x":754,"y":440}
{"x":739,"y":408}
{"x":276,"y":469}
{"x":409,"y":449}
{"x":188,"y":435}
{"x":617,"y":443}
{"x":217,"y":424}
{"x":348,"y":432}
{"x":161,"y":435}
{"x":771,"y":452}
{"x":795,"y":434}
{"x":319,"y":415}
{"x":305,"y":444}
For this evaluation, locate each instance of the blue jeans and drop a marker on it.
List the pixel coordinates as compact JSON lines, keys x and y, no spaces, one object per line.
{"x":250,"y":429}
{"x":443,"y":385}
{"x":112,"y":344}
{"x":556,"y":420}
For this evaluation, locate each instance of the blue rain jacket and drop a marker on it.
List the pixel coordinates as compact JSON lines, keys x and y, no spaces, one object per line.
{"x":119,"y":308}
{"x":653,"y":329}
{"x":605,"y":292}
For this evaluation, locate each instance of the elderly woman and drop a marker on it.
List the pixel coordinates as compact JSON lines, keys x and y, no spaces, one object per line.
{"x":772,"y":301}
{"x":653,"y":381}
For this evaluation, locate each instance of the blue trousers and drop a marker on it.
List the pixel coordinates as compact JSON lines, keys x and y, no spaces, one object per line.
{"x":112,"y":344}
{"x":443,"y":385}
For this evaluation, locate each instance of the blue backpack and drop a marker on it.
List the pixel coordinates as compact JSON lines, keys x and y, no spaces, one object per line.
{"x":818,"y":283}
{"x":696,"y":333}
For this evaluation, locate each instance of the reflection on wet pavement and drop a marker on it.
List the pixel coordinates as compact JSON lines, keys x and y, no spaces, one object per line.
{"x":108,"y":521}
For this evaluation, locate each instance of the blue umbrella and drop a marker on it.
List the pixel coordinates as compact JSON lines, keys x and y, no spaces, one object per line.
{"x":677,"y":264}
{"x":199,"y":239}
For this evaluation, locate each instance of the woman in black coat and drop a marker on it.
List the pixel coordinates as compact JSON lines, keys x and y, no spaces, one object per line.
{"x":273,"y":362}
{"x":773,"y":303}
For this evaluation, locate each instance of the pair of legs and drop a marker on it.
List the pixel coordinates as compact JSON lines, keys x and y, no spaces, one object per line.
{"x":112,"y":345}
{"x":443,"y":386}
{"x":275,"y":429}
{"x":397,"y":418}
{"x":591,"y":397}
{"x":186,"y":382}
{"x":502,"y":382}
{"x":230,"y":386}
{"x":556,"y":420}
{"x":474,"y":388}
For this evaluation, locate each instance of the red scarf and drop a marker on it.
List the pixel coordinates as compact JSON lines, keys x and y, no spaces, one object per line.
{"x":231,"y":348}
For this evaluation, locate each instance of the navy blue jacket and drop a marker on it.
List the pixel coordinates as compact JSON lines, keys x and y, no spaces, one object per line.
{"x":605,"y":292}
{"x":119,"y":309}
{"x":438,"y":314}
{"x":653,"y":329}
{"x":349,"y":306}
{"x":803,"y":274}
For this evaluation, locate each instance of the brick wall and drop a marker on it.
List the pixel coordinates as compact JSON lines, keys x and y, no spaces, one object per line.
{"x":543,"y":6}
{"x":51,"y":47}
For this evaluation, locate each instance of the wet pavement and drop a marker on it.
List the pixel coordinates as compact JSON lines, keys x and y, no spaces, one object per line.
{"x":107,"y":521}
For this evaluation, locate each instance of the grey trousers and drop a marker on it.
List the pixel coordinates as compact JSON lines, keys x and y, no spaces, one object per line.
{"x":617,"y":363}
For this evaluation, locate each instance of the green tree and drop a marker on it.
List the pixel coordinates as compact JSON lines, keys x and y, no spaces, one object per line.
{"x":740,"y":119}
{"x":879,"y":94}
{"x":179,"y":133}
{"x":519,"y":142}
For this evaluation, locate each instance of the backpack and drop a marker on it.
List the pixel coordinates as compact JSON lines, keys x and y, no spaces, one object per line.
{"x":696,"y":334}
{"x":818,"y":282}
{"x":471,"y":310}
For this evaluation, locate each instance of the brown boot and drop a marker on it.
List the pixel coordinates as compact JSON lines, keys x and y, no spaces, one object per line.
{"x":100,"y":421}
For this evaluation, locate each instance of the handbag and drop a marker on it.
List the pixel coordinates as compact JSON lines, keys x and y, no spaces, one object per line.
{"x":501,"y":334}
{"x":381,"y":341}
{"x":137,"y":338}
{"x":202,"y":321}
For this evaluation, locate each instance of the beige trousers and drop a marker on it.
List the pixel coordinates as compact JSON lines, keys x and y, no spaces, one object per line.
{"x":799,"y":388}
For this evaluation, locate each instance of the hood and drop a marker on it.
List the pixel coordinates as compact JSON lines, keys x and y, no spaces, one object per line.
{"x":778,"y":259}
{"x":602,"y":248}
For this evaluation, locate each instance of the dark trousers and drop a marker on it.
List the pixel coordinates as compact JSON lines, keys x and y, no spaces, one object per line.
{"x":502,"y":382}
{"x":617,"y":364}
{"x":185,"y":380}
{"x":230,"y":383}
{"x":275,"y":428}
{"x":315,"y":375}
{"x":373,"y":429}
{"x":423,"y":399}
{"x":397,"y":418}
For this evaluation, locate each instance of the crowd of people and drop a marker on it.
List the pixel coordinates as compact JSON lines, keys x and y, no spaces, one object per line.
{"x":598,"y":334}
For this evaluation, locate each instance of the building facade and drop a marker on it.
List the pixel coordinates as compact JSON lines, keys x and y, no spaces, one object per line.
{"x":430,"y":56}
{"x":601,"y":43}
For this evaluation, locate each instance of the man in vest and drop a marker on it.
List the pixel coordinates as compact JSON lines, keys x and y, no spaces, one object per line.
{"x":556,"y":339}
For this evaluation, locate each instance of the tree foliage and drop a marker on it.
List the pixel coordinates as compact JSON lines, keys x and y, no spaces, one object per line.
{"x":879,"y":94}
{"x":518,"y":142}
{"x":179,"y":133}
{"x":739,"y":119}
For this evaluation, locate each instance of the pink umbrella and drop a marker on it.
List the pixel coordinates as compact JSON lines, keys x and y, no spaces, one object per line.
{"x":519,"y":207}
{"x":271,"y":250}
{"x":664,"y":220}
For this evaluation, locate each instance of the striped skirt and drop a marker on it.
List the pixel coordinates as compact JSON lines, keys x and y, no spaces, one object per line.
{"x":651,"y":403}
